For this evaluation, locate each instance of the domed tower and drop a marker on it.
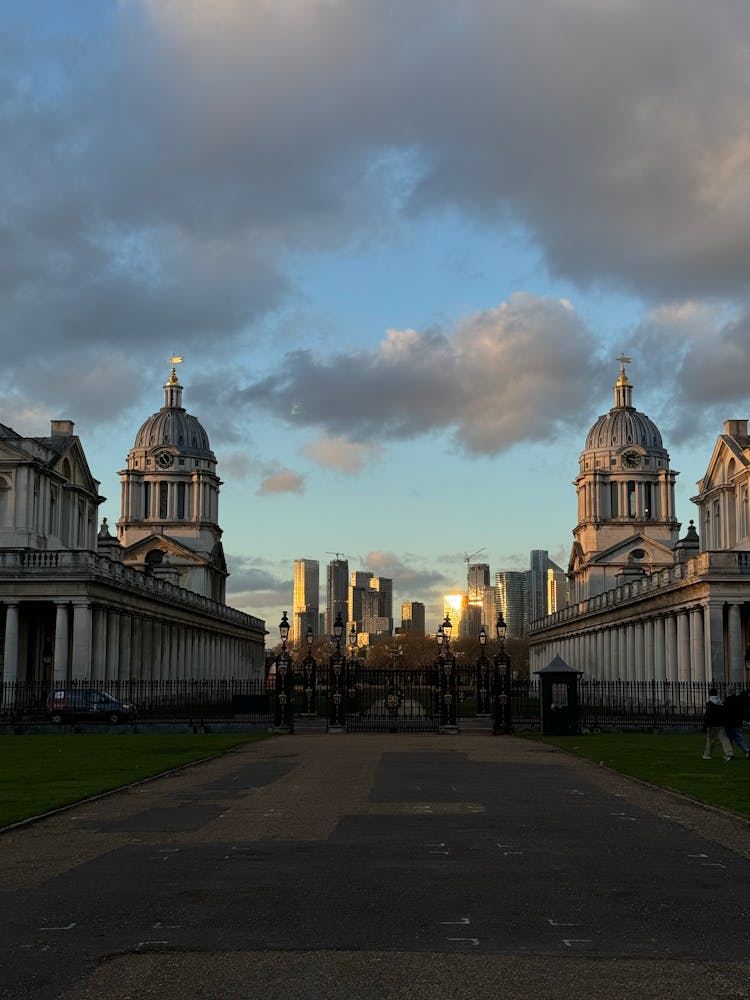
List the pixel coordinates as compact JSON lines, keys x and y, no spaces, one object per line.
{"x":626,"y":506}
{"x":170,"y":501}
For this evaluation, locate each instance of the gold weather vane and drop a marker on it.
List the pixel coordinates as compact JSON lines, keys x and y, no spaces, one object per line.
{"x":623,"y":379}
{"x":174,"y":360}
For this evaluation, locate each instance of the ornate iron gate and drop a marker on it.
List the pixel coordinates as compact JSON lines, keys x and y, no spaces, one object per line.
{"x":395,"y":701}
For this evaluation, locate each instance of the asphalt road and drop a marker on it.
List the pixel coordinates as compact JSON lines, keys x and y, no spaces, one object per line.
{"x":378,"y":867}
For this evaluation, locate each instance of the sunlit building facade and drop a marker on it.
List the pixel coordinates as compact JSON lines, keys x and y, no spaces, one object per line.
{"x":306,"y":599}
{"x":79,"y":604}
{"x":337,"y":593}
{"x":511,"y":600}
{"x":648,"y":605}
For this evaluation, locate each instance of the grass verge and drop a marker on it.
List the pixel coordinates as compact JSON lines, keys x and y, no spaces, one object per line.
{"x":40,"y":773}
{"x":669,"y":760}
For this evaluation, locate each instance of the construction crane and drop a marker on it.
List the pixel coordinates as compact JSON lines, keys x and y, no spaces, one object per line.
{"x":339,"y":555}
{"x":468,"y":558}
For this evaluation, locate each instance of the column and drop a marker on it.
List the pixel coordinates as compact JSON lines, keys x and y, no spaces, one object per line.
{"x":156,"y":651}
{"x":697,"y":645}
{"x":62,"y":613}
{"x":99,"y":645}
{"x":649,"y":664}
{"x":146,"y":670}
{"x":734,"y":642}
{"x":713,"y":625}
{"x":123,"y":671}
{"x":112,"y":666}
{"x":10,"y":648}
{"x":622,"y":650}
{"x":683,"y":646}
{"x":639,"y":659}
{"x":660,"y":662}
{"x":81,"y":666}
{"x":670,"y":647}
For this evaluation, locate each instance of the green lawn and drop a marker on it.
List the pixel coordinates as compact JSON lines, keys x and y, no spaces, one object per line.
{"x":39,"y":773}
{"x":670,"y":760}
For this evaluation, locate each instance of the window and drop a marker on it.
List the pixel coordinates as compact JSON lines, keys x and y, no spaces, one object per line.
{"x":613,"y":499}
{"x":647,"y":501}
{"x":147,"y":500}
{"x":180,"y":500}
{"x":631,"y":498}
{"x":163,"y":498}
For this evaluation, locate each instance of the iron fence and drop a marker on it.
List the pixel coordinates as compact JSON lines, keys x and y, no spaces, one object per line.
{"x":401,"y":700}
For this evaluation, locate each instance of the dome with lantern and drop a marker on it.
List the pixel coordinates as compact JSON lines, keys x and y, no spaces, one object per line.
{"x":624,"y":426}
{"x":174,"y":429}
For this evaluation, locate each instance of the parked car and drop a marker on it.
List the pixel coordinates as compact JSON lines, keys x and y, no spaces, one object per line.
{"x":87,"y":705}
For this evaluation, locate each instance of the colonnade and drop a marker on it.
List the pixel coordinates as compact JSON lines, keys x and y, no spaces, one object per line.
{"x":701,"y":642}
{"x":98,"y":643}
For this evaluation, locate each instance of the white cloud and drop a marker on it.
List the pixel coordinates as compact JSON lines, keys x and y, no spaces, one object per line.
{"x":338,"y":453}
{"x":519,"y":372}
{"x":282,"y":481}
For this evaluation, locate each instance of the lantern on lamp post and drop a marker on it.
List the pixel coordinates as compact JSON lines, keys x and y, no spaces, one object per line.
{"x":337,"y":682}
{"x":309,"y":675}
{"x":446,"y":680}
{"x":483,"y":676}
{"x":502,"y":681}
{"x":284,"y":683}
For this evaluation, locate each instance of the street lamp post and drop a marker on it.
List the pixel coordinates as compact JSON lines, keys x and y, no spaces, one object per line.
{"x":309,"y":671}
{"x":284,"y":683}
{"x":447,"y":680}
{"x":337,"y":682}
{"x":351,"y":667}
{"x":483,"y":676}
{"x":394,"y":695}
{"x":502,"y":685}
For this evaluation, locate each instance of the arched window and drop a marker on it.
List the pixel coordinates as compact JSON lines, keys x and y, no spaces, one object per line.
{"x":154,"y":558}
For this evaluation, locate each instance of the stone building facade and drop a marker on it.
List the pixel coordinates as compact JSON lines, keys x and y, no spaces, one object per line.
{"x":77,"y":603}
{"x":647,"y":605}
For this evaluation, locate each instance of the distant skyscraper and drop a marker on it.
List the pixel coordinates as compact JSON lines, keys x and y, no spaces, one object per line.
{"x":454,"y":607}
{"x":540,"y":590}
{"x":371,"y":603}
{"x":511,"y":599}
{"x":481,"y":601}
{"x":359,"y":583}
{"x":306,"y":598}
{"x":337,"y":593}
{"x":478,"y":579}
{"x":557,"y":589}
{"x":537,"y":583}
{"x":412,"y":617}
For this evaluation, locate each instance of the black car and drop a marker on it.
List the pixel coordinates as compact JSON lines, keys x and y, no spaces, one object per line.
{"x":86,"y":705}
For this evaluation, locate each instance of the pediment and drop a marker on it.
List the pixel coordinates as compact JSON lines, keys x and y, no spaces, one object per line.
{"x":724,"y":449}
{"x":80,"y":472}
{"x":138,"y":551}
{"x":624,"y":552}
{"x":577,"y":557}
{"x":14,"y":452}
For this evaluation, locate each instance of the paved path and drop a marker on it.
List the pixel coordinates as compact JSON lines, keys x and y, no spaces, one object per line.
{"x":379,"y":867}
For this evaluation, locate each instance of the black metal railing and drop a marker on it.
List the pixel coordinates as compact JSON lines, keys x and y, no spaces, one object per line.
{"x":398,"y":700}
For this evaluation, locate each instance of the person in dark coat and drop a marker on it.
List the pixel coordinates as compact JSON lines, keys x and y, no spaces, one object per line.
{"x":713,"y":723}
{"x":735,"y":713}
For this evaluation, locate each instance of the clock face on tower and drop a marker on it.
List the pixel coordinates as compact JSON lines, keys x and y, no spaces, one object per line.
{"x":164,"y":459}
{"x":631,"y":459}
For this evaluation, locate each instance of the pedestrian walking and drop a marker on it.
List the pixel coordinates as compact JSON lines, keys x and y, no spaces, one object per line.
{"x":735,"y":713}
{"x":713,"y":723}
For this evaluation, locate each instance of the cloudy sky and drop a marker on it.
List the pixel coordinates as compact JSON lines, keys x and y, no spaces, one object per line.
{"x":399,"y":246}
